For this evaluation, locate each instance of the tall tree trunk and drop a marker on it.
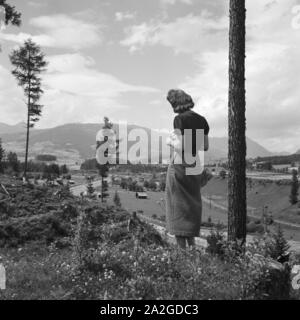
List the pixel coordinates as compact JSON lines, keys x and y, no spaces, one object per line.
{"x":237,"y":202}
{"x":102,"y":189}
{"x":27,"y":137}
{"x":28,"y":121}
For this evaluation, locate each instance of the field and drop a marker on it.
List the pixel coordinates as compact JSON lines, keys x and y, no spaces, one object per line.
{"x":155,"y":205}
{"x":217,"y":191}
{"x":259,"y":195}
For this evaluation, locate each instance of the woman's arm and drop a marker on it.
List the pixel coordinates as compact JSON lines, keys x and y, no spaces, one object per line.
{"x":206,"y":131}
{"x":206,"y":143}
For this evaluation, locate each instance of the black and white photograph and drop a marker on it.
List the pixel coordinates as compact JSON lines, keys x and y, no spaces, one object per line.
{"x":149,"y":153}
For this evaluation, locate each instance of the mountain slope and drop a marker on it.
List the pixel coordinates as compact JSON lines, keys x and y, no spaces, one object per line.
{"x":76,"y":141}
{"x":6,"y":128}
{"x":219,"y":147}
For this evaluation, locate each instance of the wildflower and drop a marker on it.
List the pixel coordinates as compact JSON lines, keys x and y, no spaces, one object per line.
{"x":102,"y":253}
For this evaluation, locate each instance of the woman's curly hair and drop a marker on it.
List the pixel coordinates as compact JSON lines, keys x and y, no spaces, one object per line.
{"x":180,"y":100}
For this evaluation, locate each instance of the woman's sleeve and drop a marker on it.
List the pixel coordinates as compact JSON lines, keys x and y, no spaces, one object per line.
{"x":206,"y":127}
{"x":177,"y":124}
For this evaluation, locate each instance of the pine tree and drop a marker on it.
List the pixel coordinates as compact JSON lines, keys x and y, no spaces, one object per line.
{"x":222,"y":174}
{"x":279,"y":245}
{"x":90,"y":188}
{"x":117,"y":200}
{"x":103,"y":171}
{"x":12,"y":16}
{"x":2,"y":156}
{"x":64,"y":169}
{"x":29,"y":63}
{"x":294,"y":188}
{"x":163,"y":185}
{"x":104,"y":167}
{"x":237,"y":203}
{"x":13,"y":162}
{"x":8,"y":15}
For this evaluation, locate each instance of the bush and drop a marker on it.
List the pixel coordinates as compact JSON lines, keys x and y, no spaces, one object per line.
{"x":277,"y":245}
{"x":117,"y":200}
{"x":45,"y":228}
{"x":255,"y":227}
{"x":36,"y":213}
{"x":215,"y":242}
{"x":264,"y":277}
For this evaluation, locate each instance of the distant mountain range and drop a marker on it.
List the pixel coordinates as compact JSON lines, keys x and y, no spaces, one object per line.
{"x":75,"y":142}
{"x":6,"y":128}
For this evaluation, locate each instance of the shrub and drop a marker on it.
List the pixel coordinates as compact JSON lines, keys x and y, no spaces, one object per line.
{"x":264,"y":278}
{"x":277,"y":245}
{"x":117,"y":200}
{"x":215,"y":242}
{"x":45,"y":228}
{"x":255,"y":227}
{"x":222,"y":174}
{"x":162,"y":218}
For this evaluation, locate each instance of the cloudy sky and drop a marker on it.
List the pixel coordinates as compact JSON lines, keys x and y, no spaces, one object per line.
{"x":120,"y":57}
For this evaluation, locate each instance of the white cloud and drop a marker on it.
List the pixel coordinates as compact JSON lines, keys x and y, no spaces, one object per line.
{"x":172,"y":2}
{"x":60,"y":31}
{"x":186,"y":34}
{"x":138,"y":36}
{"x":69,"y":63}
{"x":36,"y":4}
{"x":121,"y":16}
{"x":72,"y":73}
{"x":209,"y":89}
{"x":73,"y":91}
{"x":11,"y":98}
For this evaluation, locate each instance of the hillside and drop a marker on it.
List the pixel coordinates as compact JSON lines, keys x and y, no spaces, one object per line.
{"x":219,"y":147}
{"x":260,"y":194}
{"x":75,"y":142}
{"x":292,"y":158}
{"x":55,"y":246}
{"x":6,"y":128}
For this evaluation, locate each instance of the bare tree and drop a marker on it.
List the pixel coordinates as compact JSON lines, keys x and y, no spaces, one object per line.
{"x":237,"y":202}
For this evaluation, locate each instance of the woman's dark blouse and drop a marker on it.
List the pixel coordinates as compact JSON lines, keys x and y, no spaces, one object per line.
{"x":191,"y":120}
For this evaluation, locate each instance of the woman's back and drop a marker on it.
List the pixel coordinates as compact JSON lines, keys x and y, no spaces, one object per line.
{"x":193,"y":121}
